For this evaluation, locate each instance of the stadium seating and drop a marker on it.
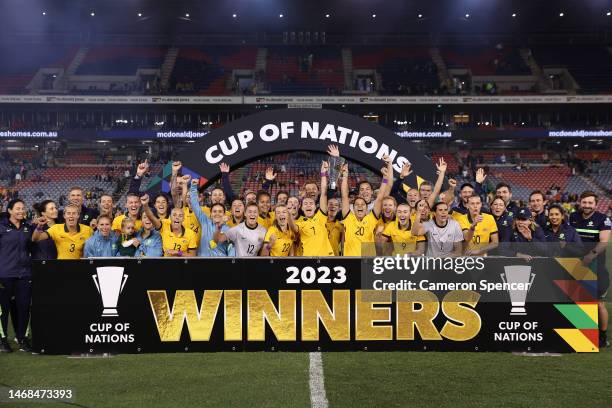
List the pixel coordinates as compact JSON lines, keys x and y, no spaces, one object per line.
{"x":289,"y":71}
{"x":399,"y":66}
{"x":591,"y":66}
{"x":18,"y":67}
{"x":120,"y":60}
{"x":485,"y":60}
{"x":209,"y":68}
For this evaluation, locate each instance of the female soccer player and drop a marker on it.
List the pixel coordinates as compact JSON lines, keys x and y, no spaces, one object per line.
{"x":359,"y":224}
{"x":279,"y":237}
{"x":209,"y":225}
{"x":69,"y":237}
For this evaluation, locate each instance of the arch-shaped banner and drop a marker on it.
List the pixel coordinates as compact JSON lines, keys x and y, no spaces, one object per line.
{"x":279,"y":131}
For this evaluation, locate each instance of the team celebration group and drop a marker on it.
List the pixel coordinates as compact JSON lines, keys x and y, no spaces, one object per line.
{"x":319,"y":222}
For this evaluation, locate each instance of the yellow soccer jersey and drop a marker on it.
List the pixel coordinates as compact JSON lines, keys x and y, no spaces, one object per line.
{"x":484,"y":229}
{"x":69,"y":246}
{"x":456,"y":215}
{"x":116,"y":226}
{"x":357,"y":233}
{"x":191,"y":222}
{"x":231,"y":222}
{"x":334,"y":234}
{"x":183,"y":242}
{"x":268,"y":221}
{"x":382,"y":222}
{"x":284,"y":241}
{"x":403,"y":240}
{"x":313,"y":235}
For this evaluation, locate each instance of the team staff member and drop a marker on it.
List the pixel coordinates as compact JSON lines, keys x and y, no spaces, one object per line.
{"x":15,"y":274}
{"x":398,"y":232}
{"x":537,"y":205}
{"x":594,"y":230}
{"x":106,"y":205}
{"x":209,"y":225}
{"x":279,"y":237}
{"x":150,"y":240}
{"x":75,"y":196}
{"x":103,"y":242}
{"x":444,"y":236}
{"x":505,"y":192}
{"x":502,"y":219}
{"x":360,"y":224}
{"x":479,"y":229}
{"x":559,"y":231}
{"x":247,"y":237}
{"x":527,"y":238}
{"x":69,"y":237}
{"x":132,"y":204}
{"x":466,"y":191}
{"x":177,"y":241}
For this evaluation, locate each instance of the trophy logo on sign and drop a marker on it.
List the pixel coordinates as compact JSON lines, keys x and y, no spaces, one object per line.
{"x":518,"y":274}
{"x":109,"y":281}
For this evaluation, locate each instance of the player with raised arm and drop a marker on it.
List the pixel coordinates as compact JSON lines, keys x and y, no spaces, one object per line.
{"x":335,"y":229}
{"x":209,"y":225}
{"x":359,"y":224}
{"x":311,"y":227}
{"x":177,"y":240}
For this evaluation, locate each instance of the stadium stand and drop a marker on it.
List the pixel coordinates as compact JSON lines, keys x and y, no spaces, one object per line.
{"x":18,"y":67}
{"x":486,"y":60}
{"x":120,"y":60}
{"x":591,"y":66}
{"x":404,"y":70}
{"x":207,"y":70}
{"x":304,"y":70}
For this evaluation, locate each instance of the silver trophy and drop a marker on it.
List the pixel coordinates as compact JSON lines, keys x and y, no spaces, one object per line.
{"x":518,"y":274}
{"x":335,"y":170}
{"x":109,"y":281}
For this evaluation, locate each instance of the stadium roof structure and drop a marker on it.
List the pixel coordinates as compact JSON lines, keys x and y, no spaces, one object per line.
{"x":239,"y":16}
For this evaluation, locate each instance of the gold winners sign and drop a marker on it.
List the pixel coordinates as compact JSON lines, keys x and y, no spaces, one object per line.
{"x":335,"y":304}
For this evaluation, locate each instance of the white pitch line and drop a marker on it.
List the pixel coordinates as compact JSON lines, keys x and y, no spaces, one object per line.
{"x":318,"y":398}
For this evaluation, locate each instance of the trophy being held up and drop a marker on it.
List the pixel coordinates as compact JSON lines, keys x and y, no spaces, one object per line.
{"x":335,"y":166}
